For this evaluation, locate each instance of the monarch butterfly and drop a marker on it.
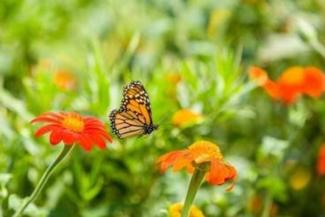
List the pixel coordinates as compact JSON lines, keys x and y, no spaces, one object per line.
{"x":134,"y":116}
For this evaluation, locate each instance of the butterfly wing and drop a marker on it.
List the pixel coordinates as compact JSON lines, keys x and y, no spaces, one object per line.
{"x":125,"y":124}
{"x":136,"y":99}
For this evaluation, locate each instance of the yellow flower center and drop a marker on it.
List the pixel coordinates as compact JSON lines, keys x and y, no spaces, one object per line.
{"x":204,"y":151}
{"x":74,"y":122}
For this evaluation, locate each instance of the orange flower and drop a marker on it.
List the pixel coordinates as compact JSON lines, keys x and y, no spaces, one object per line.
{"x":314,"y":81}
{"x":321,"y":161}
{"x":64,"y":80}
{"x":72,"y":128}
{"x":200,"y":152}
{"x":176,"y":209}
{"x":291,"y":84}
{"x":186,"y":117}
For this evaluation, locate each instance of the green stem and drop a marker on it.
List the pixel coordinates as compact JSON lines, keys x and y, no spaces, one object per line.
{"x":65,"y":151}
{"x":267,"y":206}
{"x":195,"y":183}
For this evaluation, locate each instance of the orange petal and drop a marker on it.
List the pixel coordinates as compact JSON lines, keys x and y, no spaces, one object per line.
{"x":220,"y":173}
{"x":288,"y":94}
{"x":293,"y":76}
{"x":272,"y":89}
{"x":314,"y":82}
{"x":183,"y":161}
{"x":169,"y":159}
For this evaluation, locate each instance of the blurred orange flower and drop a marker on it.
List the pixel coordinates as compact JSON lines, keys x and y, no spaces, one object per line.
{"x":314,"y":82}
{"x":176,"y":209}
{"x":65,"y":80}
{"x":293,"y":82}
{"x":173,"y":77}
{"x":200,"y":152}
{"x":321,"y":161}
{"x":186,"y":117}
{"x":72,"y":128}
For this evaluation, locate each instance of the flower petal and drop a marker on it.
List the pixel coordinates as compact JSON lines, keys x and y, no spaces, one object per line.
{"x":220,"y":172}
{"x":288,"y":94}
{"x":293,"y":76}
{"x":85,"y":142}
{"x":314,"y":82}
{"x":99,"y":141}
{"x":185,"y":160}
{"x":56,"y":137}
{"x":45,"y":129}
{"x":68,"y":137}
{"x":100,"y":132}
{"x":169,"y":159}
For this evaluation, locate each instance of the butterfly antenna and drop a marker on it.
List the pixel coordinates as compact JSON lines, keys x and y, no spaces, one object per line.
{"x":162,"y":121}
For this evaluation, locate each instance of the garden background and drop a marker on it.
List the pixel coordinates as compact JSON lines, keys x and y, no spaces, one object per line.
{"x":192,"y":54}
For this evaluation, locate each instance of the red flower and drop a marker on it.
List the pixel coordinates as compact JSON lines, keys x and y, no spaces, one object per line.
{"x":321,"y":161}
{"x":293,"y":82}
{"x":72,"y":128}
{"x":200,"y":152}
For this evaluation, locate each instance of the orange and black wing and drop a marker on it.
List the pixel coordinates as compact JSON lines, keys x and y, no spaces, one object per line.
{"x":136,"y":99}
{"x":126,"y":124}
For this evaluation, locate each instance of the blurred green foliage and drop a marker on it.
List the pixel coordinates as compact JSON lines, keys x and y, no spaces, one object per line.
{"x":208,"y":44}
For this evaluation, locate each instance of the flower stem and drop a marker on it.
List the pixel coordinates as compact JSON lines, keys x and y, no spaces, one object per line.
{"x":267,"y":206}
{"x":195,"y":183}
{"x":65,"y":151}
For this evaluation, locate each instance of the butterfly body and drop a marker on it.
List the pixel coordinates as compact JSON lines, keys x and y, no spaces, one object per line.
{"x":134,"y":116}
{"x":148,"y":129}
